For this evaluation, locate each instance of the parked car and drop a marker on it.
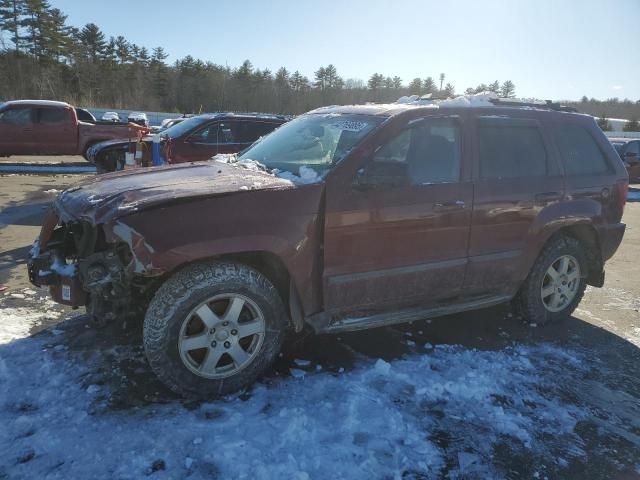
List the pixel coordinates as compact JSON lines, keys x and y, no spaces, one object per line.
{"x":111,"y":117}
{"x":85,"y":115}
{"x":43,"y":127}
{"x":343,"y":219}
{"x":193,"y":139}
{"x":629,"y":151}
{"x":138,"y":117}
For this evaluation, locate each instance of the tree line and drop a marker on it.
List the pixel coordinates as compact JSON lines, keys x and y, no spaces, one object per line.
{"x":42,"y":56}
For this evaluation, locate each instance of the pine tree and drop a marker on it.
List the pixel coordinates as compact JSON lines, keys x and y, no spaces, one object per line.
{"x":494,"y":87}
{"x":397,"y":82}
{"x":415,"y":87}
{"x":123,"y":50}
{"x":35,"y":22}
{"x":143,"y":56}
{"x":282,"y":78}
{"x":320,"y":78}
{"x":376,"y":81}
{"x":160,"y":74}
{"x":93,"y":41}
{"x":58,"y":41}
{"x":299,"y":82}
{"x":429,"y":86}
{"x":11,"y":13}
{"x":333,"y":80}
{"x":508,"y":89}
{"x":449,"y":90}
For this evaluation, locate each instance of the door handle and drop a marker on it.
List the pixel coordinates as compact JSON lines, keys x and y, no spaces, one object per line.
{"x":548,"y":197}
{"x":448,"y":206}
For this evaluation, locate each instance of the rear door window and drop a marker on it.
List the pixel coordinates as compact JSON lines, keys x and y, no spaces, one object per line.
{"x":52,"y":116}
{"x":580,"y":152}
{"x":510,"y":151}
{"x":17,"y":116}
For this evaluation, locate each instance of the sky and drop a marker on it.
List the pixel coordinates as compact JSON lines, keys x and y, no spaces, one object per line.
{"x":550,"y":49}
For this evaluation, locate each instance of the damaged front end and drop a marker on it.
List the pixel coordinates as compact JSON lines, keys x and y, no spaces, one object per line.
{"x":84,"y":266}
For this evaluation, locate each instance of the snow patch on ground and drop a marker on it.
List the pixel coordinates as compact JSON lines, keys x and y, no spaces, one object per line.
{"x":381,"y":419}
{"x":17,"y":322}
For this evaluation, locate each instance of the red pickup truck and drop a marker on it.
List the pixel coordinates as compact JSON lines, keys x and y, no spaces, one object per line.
{"x":44,"y":127}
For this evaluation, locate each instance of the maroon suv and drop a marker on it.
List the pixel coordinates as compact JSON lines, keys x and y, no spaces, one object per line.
{"x":193,"y":139}
{"x":345,"y":218}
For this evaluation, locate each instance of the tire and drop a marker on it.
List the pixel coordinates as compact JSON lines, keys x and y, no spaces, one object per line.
{"x":175,"y":318}
{"x":534,"y":302}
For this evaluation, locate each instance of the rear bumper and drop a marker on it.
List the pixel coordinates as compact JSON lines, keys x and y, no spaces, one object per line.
{"x":610,"y":239}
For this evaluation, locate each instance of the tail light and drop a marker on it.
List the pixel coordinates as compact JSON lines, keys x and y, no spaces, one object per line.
{"x":622,"y":190}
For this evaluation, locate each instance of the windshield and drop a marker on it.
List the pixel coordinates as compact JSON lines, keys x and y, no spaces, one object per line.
{"x":314,"y":141}
{"x":179,"y":129}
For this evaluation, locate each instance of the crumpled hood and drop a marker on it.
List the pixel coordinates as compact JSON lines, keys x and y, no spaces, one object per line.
{"x":103,"y":198}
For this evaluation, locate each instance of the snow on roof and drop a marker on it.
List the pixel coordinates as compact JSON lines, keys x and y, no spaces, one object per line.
{"x":462,"y":101}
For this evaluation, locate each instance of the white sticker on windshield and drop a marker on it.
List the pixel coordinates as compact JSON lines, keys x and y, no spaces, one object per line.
{"x":350,"y":125}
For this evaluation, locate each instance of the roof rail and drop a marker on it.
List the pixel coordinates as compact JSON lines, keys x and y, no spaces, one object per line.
{"x":547,"y":104}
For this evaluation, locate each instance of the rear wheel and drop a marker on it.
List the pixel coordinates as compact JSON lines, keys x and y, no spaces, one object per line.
{"x":556,"y":283}
{"x":213,"y":328}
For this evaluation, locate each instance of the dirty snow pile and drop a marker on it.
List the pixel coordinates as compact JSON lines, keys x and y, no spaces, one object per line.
{"x":441,"y":411}
{"x":305,"y":174}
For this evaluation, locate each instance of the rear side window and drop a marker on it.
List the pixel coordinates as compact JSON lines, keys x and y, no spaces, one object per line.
{"x":580,"y":152}
{"x":215,"y":133}
{"x":50,"y":116}
{"x":17,"y":116}
{"x":511,"y":151}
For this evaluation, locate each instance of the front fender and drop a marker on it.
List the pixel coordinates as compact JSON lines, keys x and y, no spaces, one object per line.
{"x":284,"y":223}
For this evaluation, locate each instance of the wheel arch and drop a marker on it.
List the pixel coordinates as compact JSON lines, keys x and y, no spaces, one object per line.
{"x":267,"y":263}
{"x":586,"y":234}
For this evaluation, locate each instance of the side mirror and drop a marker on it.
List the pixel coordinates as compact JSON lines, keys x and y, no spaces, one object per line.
{"x":380,"y":175}
{"x":361,"y":182}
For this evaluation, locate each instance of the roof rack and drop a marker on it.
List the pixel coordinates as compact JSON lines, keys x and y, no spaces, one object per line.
{"x":546,"y":104}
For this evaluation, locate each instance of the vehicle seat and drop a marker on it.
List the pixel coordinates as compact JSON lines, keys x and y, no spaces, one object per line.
{"x":431,"y":159}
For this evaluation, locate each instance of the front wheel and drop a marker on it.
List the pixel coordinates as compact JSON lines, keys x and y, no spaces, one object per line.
{"x":213,"y":328}
{"x":556,"y":283}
